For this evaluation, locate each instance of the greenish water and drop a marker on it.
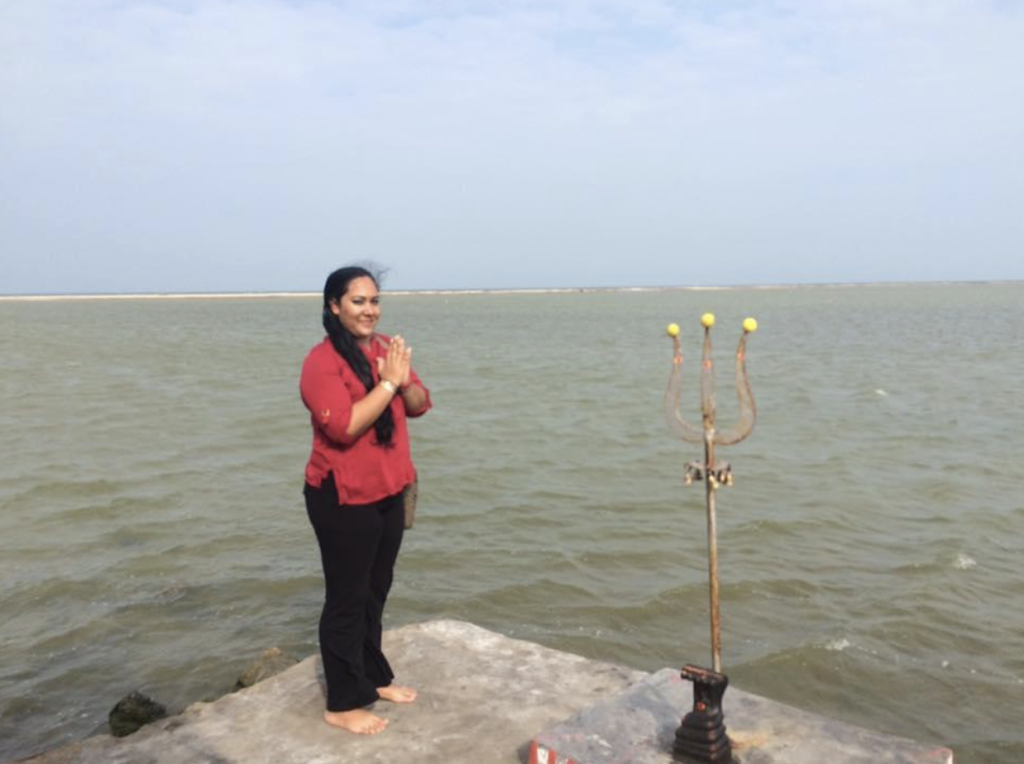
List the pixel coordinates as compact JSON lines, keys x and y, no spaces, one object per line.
{"x":153,"y":535}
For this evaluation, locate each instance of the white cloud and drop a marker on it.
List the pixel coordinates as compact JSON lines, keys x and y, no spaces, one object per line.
{"x":445,"y":130}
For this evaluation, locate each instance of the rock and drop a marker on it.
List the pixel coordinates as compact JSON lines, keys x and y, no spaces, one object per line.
{"x":133,"y":711}
{"x":483,"y":698}
{"x":270,"y":662}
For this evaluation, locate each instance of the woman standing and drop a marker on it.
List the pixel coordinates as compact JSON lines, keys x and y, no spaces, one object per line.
{"x":359,"y":387}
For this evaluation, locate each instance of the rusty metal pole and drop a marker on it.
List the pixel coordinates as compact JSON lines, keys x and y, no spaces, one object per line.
{"x":709,"y":492}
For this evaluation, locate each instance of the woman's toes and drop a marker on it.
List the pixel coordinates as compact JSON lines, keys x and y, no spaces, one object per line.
{"x":358,"y":721}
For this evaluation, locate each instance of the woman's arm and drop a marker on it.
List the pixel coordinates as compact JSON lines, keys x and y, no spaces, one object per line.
{"x":369,"y":409}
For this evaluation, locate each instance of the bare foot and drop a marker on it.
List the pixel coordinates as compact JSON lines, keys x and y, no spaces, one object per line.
{"x":397,"y":694}
{"x":357,"y":720}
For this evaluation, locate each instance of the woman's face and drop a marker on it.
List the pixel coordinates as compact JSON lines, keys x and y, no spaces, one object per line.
{"x":359,"y":308}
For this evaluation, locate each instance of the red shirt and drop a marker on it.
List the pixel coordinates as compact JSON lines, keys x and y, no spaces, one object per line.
{"x":363,"y":470}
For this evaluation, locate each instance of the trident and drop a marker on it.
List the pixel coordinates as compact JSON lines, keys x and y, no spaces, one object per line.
{"x":714,"y":473}
{"x":701,"y":735}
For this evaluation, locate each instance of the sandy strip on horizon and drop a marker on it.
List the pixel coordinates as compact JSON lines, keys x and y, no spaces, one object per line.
{"x":552,"y":290}
{"x":169,"y":296}
{"x":399,"y":292}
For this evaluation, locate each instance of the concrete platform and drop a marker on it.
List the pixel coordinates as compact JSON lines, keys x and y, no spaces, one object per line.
{"x":483,"y":698}
{"x":639,"y":724}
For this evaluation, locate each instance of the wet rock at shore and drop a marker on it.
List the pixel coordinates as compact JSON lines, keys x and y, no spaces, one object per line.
{"x":133,"y":711}
{"x":270,"y":662}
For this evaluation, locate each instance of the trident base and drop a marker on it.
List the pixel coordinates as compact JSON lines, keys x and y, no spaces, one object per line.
{"x":701,"y":737}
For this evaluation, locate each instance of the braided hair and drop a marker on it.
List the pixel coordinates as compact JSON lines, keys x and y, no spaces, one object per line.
{"x":347,"y":347}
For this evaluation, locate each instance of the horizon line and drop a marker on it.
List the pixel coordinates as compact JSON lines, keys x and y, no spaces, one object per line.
{"x":473,"y":291}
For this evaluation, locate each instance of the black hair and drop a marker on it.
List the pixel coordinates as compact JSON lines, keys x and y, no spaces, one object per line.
{"x":346,"y":345}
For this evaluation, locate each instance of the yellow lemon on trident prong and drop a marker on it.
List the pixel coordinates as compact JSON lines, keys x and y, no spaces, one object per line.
{"x":707,"y":320}
{"x":749,"y":325}
{"x":672,"y":330}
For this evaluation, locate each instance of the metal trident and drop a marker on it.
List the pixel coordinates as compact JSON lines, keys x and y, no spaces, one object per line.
{"x":714,"y":473}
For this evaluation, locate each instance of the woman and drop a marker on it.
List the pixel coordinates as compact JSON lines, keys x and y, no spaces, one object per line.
{"x":359,"y":387}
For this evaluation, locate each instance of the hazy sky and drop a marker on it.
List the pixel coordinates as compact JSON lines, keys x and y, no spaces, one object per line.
{"x":235,"y":145}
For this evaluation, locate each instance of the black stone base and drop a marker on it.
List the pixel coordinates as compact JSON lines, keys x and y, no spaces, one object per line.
{"x":701,"y":737}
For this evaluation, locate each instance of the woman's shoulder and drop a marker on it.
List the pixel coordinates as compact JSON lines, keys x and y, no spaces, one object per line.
{"x":322,"y":353}
{"x":324,"y":346}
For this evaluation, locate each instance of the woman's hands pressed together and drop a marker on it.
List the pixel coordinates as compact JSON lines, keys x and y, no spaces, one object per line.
{"x":397,"y":364}
{"x":395,"y":373}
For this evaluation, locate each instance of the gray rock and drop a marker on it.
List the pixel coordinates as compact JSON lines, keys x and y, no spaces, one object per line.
{"x":133,"y":711}
{"x":483,"y":698}
{"x":270,"y":662}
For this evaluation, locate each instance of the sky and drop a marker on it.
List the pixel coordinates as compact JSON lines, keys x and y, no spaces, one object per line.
{"x":255,"y":145}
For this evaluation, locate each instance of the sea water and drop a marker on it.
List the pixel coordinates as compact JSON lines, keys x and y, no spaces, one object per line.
{"x":153,"y":534}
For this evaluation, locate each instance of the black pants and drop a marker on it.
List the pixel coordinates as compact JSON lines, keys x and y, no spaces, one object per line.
{"x":358,"y":547}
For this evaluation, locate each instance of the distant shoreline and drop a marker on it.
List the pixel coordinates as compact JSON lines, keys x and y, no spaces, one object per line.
{"x":388,"y":292}
{"x":455,"y":292}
